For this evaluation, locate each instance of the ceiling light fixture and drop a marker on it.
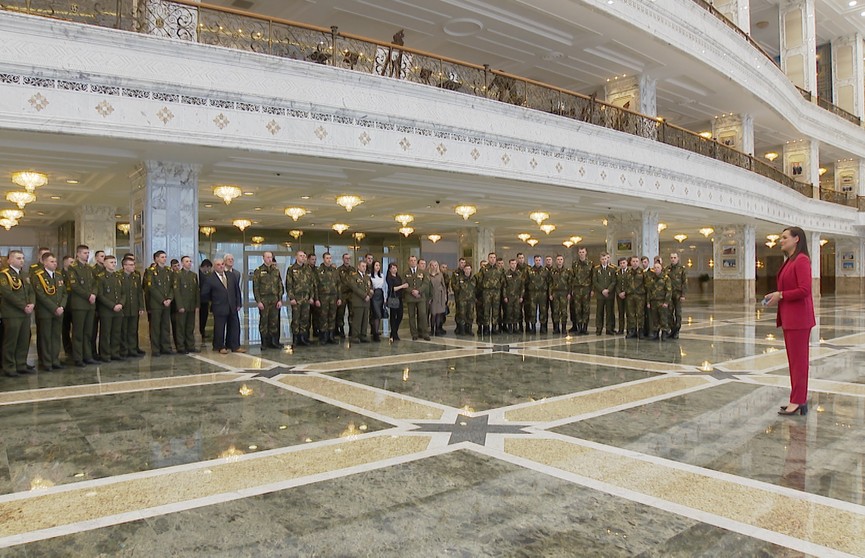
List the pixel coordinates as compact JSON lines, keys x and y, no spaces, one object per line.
{"x":771,"y":155}
{"x":404,"y":219}
{"x":434,"y":237}
{"x":524,"y":236}
{"x":7,"y":223}
{"x":532,"y":242}
{"x":20,"y":198}
{"x":707,"y":135}
{"x":30,"y":180}
{"x":548,"y":228}
{"x":539,"y":216}
{"x":771,"y":243}
{"x":349,"y":201}
{"x":359,"y":236}
{"x":207,"y":231}
{"x":824,"y":242}
{"x":340,"y":227}
{"x":822,"y":170}
{"x":662,"y":227}
{"x":295,"y":212}
{"x":226,"y":192}
{"x":13,"y":214}
{"x":681,"y":237}
{"x":568,"y":243}
{"x":242,"y":224}
{"x":295,"y":234}
{"x":406,"y":231}
{"x":124,"y":228}
{"x":257,"y":239}
{"x":576,"y":239}
{"x":706,"y":231}
{"x":465,"y":211}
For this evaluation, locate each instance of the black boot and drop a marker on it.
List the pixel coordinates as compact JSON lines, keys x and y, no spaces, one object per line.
{"x":331,"y":339}
{"x":265,"y":343}
{"x":376,"y":337}
{"x":556,"y":327}
{"x":653,"y":336}
{"x":520,"y":326}
{"x":564,"y":328}
{"x":294,"y":341}
{"x":574,"y":329}
{"x":631,"y":334}
{"x":341,"y":332}
{"x":467,"y":329}
{"x":302,"y":340}
{"x":274,"y":342}
{"x":664,"y":335}
{"x":543,"y":328}
{"x":674,"y":334}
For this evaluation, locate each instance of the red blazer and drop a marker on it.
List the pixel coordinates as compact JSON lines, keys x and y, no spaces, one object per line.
{"x":796,"y":309}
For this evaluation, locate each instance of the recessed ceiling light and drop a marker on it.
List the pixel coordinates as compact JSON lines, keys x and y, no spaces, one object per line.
{"x":247,"y":193}
{"x":304,"y":197}
{"x":117,"y":216}
{"x":40,"y":213}
{"x":55,"y":197}
{"x":862,"y":14}
{"x":71,"y":181}
{"x":208,"y":205}
{"x":852,"y":3}
{"x":258,"y":209}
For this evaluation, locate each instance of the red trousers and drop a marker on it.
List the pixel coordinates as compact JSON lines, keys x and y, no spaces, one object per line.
{"x":797,"y":343}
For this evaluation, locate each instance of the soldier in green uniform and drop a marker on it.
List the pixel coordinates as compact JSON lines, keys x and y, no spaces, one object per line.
{"x":646,"y":266}
{"x":490,"y":280}
{"x":300,"y":292}
{"x":82,"y":283}
{"x":513,"y":291}
{"x":267,"y":290}
{"x":537,"y":296}
{"x":314,"y":311}
{"x":464,"y":286}
{"x":66,"y":330}
{"x":174,"y":266}
{"x":523,"y":269}
{"x":34,"y":267}
{"x":361,"y":292}
{"x":635,"y":298}
{"x":17,"y":303}
{"x":620,"y":294}
{"x":327,"y":285}
{"x":158,"y":292}
{"x":98,"y":272}
{"x":659,"y":293}
{"x":581,"y":288}
{"x":604,"y":285}
{"x":345,"y":270}
{"x":679,"y":283}
{"x":50,"y":290}
{"x":109,"y":304}
{"x":416,"y":300}
{"x":560,"y":294}
{"x":187,"y":299}
{"x":133,"y":308}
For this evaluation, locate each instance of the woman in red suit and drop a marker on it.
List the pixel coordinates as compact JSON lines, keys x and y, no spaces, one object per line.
{"x":795,"y":314}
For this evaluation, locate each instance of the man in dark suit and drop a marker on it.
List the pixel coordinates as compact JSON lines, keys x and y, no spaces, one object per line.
{"x":222,"y":290}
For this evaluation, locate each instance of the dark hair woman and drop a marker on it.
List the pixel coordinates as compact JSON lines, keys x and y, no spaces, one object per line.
{"x":396,"y":290}
{"x":795,"y":314}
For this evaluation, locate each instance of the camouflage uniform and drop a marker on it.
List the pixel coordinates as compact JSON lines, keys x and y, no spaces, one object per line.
{"x":267,"y":290}
{"x":344,"y":294}
{"x":514,"y":291}
{"x":658,"y":291}
{"x":560,"y":288}
{"x":537,"y":297}
{"x":679,"y":283}
{"x":300,"y":286}
{"x":635,"y":301}
{"x":361,"y":293}
{"x":98,"y":273}
{"x":491,"y":279}
{"x":465,"y":295}
{"x":604,"y":278}
{"x":159,"y":287}
{"x":581,"y":289}
{"x":327,"y":285}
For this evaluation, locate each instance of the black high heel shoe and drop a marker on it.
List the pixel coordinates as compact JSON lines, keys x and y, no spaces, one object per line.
{"x":800,"y":410}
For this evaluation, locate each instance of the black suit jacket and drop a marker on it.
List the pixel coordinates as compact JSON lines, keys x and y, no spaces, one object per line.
{"x":223,"y":300}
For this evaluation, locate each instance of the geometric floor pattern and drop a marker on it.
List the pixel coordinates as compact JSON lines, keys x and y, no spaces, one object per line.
{"x":517,"y":445}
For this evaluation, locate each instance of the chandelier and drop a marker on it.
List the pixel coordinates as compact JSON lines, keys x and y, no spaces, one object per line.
{"x":257,"y":239}
{"x":434,"y":237}
{"x":30,"y":180}
{"x":576,"y":239}
{"x":404,"y":219}
{"x":465,"y":211}
{"x":13,"y":214}
{"x":358,"y":236}
{"x":568,"y":243}
{"x":706,"y":231}
{"x":662,"y":227}
{"x":681,"y":237}
{"x":548,"y":228}
{"x":771,"y":155}
{"x":207,"y":231}
{"x":7,"y":223}
{"x":539,"y":216}
{"x":295,"y":234}
{"x":242,"y":224}
{"x":406,"y":231}
{"x":532,"y":242}
{"x":21,"y":198}
{"x":123,"y":227}
{"x":524,"y":236}
{"x":349,"y":201}
{"x":340,"y":227}
{"x":226,"y":192}
{"x":295,"y":212}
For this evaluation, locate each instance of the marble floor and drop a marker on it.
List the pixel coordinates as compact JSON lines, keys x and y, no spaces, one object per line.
{"x":514,"y":445}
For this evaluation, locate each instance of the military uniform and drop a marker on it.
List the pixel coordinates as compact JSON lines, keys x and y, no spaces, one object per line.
{"x":327,"y":285}
{"x":15,"y":294}
{"x":267,"y":290}
{"x":66,"y":328}
{"x":50,"y":294}
{"x":98,"y":273}
{"x":344,"y":271}
{"x":300,"y":287}
{"x":133,"y":303}
{"x":581,"y":289}
{"x":560,"y":288}
{"x":659,"y":292}
{"x":361,"y":292}
{"x":187,"y":297}
{"x":31,"y":274}
{"x":491,"y":280}
{"x":679,"y":284}
{"x":634,"y":284}
{"x":621,"y":303}
{"x":465,"y":297}
{"x":604,"y":278}
{"x":514,"y":291}
{"x":109,"y":293}
{"x":159,"y":287}
{"x":417,"y":307}
{"x":82,"y":283}
{"x":537,"y":297}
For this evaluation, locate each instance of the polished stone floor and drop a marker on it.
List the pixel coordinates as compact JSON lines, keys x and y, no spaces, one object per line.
{"x":510,"y":445}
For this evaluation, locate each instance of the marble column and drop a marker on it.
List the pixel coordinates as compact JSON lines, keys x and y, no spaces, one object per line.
{"x":735,"y":256}
{"x":849,"y":174}
{"x":801,"y":160}
{"x":799,"y":42}
{"x":636,"y":93}
{"x":814,"y":249}
{"x":849,"y":266}
{"x":848,"y":74}
{"x":475,"y":243}
{"x":95,"y":226}
{"x":48,"y":239}
{"x":735,"y":130}
{"x":650,"y":238}
{"x":632,"y":234}
{"x":164,"y":210}
{"x":737,"y":11}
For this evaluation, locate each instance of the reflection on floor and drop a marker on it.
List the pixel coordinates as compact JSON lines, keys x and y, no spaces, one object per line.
{"x":511,"y":445}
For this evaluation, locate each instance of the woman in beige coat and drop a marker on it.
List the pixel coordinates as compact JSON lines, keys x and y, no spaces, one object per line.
{"x":438,"y":298}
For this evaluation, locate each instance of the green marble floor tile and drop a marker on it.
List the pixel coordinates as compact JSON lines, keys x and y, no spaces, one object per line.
{"x":490,"y":381}
{"x":350,"y":351}
{"x":844,"y":367}
{"x":678,"y":351}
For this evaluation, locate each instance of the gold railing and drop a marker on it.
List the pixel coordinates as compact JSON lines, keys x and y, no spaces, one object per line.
{"x":226,"y":27}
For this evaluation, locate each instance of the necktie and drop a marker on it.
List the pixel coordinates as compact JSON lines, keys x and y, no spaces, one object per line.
{"x":222,"y":279}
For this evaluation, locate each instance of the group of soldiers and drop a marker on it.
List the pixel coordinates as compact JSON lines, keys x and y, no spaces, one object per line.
{"x":517,"y":297}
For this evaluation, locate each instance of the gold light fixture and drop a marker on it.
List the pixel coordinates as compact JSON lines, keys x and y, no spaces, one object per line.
{"x":7,"y":223}
{"x":576,"y":239}
{"x":207,"y":231}
{"x":524,"y":236}
{"x":295,"y":234}
{"x":406,"y":231}
{"x":124,"y":228}
{"x":349,"y":201}
{"x":227,"y":192}
{"x":465,"y":211}
{"x":548,"y":228}
{"x":434,"y":237}
{"x":340,"y":227}
{"x":824,"y":242}
{"x":403,"y":219}
{"x":13,"y":214}
{"x":772,"y":237}
{"x":771,"y":155}
{"x":539,"y":216}
{"x":771,"y":243}
{"x":21,"y":198}
{"x":242,"y":224}
{"x":295,"y":212}
{"x":681,"y":237}
{"x":706,"y":231}
{"x":822,"y":170}
{"x":707,"y":134}
{"x":568,"y":243}
{"x":257,"y":239}
{"x":662,"y":227}
{"x":30,"y":180}
{"x":532,"y":242}
{"x":358,"y":236}
{"x":711,"y":263}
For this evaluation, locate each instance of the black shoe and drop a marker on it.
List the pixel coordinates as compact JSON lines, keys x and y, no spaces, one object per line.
{"x":441,"y":331}
{"x":331,"y":340}
{"x":277,"y":345}
{"x":25,"y":371}
{"x":610,"y":332}
{"x":301,"y":339}
{"x":543,"y":328}
{"x":90,"y":361}
{"x":574,"y":329}
{"x":426,"y":338}
{"x":467,"y":330}
{"x":800,"y":410}
{"x":631,"y":334}
{"x":362,"y":340}
{"x":121,"y":358}
{"x":58,"y":367}
{"x":414,"y":337}
{"x":80,"y":364}
{"x":556,"y":328}
{"x":140,"y":352}
{"x":13,"y":374}
{"x":341,"y":332}
{"x":598,"y":332}
{"x":653,"y":337}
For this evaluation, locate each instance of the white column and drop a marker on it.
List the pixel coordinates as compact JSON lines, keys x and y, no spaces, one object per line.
{"x":799,"y":42}
{"x":801,"y":160}
{"x":849,"y":266}
{"x":478,"y":241}
{"x":637,"y":93}
{"x":650,"y":239}
{"x":736,"y":131}
{"x":94,"y":226}
{"x":848,"y":74}
{"x":735,"y":256}
{"x":737,"y":11}
{"x":814,"y":248}
{"x":849,"y":174}
{"x":164,"y":210}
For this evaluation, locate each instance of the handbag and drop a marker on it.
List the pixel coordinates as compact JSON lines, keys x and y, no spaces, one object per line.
{"x":393,"y":302}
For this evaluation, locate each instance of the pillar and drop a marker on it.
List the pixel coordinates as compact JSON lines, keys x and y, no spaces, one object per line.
{"x":737,"y":11}
{"x":799,"y":42}
{"x":801,"y":160}
{"x":94,"y":226}
{"x":735,"y":256}
{"x":164,"y":210}
{"x":849,"y":174}
{"x":636,"y":93}
{"x":48,"y":239}
{"x":849,"y":268}
{"x":814,"y":249}
{"x":736,"y":131}
{"x":475,"y":243}
{"x":848,"y":74}
{"x":650,"y":238}
{"x":632,"y":234}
